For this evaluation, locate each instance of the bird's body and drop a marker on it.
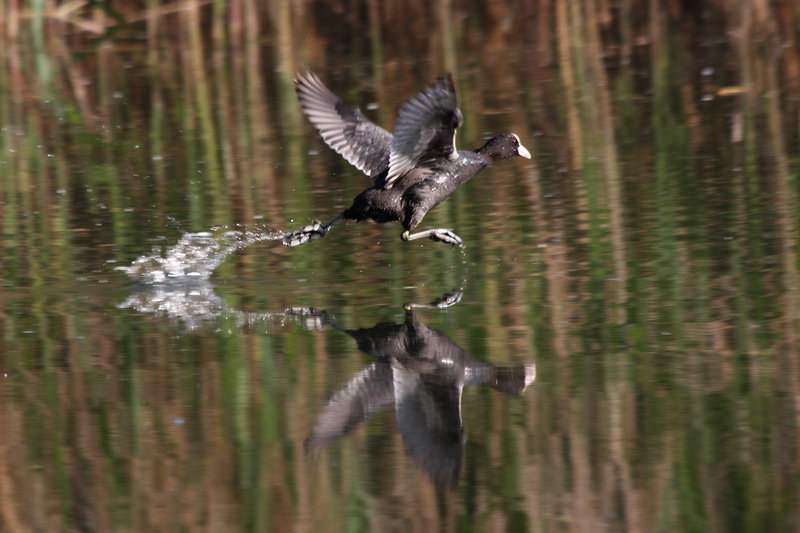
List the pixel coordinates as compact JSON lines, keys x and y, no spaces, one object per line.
{"x":413,"y":169}
{"x":416,"y":193}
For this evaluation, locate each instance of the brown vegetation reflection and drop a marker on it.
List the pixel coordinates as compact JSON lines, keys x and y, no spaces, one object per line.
{"x":647,"y":262}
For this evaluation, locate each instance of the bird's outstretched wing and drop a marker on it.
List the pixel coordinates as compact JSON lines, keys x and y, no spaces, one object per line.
{"x":364,"y":144}
{"x":425,"y":131}
{"x":367,"y":392}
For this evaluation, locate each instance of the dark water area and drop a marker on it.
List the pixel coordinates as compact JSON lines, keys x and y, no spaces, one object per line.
{"x":614,"y":349}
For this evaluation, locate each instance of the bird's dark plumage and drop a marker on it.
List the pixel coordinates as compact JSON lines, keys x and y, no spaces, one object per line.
{"x":413,"y":169}
{"x":362,"y":143}
{"x":425,"y":132}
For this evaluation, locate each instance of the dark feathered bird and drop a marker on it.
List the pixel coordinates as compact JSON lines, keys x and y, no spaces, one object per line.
{"x":421,"y":372}
{"x":412,"y":170}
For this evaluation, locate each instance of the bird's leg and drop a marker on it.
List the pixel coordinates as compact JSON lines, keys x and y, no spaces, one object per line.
{"x":439,"y":234}
{"x":311,"y":232}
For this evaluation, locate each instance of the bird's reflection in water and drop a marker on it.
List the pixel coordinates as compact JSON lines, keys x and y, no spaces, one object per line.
{"x":422,"y":372}
{"x":419,"y":370}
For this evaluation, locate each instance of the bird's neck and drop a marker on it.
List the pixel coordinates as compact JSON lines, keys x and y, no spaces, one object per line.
{"x":478,"y":158}
{"x":490,"y":153}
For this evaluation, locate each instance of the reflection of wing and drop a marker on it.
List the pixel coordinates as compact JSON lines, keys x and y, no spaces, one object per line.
{"x":369,"y":390}
{"x":364,"y":144}
{"x":428,"y":409}
{"x":425,"y":131}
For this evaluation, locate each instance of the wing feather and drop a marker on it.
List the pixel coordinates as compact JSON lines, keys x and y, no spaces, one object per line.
{"x":425,"y":130}
{"x":364,"y":144}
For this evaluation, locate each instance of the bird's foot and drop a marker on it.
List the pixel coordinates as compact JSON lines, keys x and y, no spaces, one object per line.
{"x":302,"y":311}
{"x":310,"y":232}
{"x":439,"y":234}
{"x":309,"y":318}
{"x":443,"y":302}
{"x":312,"y":319}
{"x":448,"y":299}
{"x":446,"y":236}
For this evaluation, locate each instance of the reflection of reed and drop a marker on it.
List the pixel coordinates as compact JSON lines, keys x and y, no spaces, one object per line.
{"x":590,"y":122}
{"x":788,"y":224}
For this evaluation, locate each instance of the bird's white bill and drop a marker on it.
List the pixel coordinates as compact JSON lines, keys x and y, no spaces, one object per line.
{"x":521,"y":150}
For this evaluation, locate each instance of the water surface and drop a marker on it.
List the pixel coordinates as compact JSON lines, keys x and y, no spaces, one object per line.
{"x":615,"y":349}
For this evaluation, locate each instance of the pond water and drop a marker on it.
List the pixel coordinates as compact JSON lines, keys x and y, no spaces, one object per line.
{"x":614,"y":349}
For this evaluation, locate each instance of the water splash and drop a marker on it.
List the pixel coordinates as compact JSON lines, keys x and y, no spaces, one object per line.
{"x":194,"y":257}
{"x":193,"y":303}
{"x":176,"y":283}
{"x":190,"y":301}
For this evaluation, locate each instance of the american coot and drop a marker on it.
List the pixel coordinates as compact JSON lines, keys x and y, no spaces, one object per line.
{"x":412,"y":170}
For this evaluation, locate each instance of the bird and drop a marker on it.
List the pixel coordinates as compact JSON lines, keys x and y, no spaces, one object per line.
{"x":413,"y":169}
{"x":420,"y":373}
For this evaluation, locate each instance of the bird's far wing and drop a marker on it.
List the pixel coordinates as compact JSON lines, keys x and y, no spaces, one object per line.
{"x":425,"y":130}
{"x":428,"y":411}
{"x":368,"y":391}
{"x":364,"y":144}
